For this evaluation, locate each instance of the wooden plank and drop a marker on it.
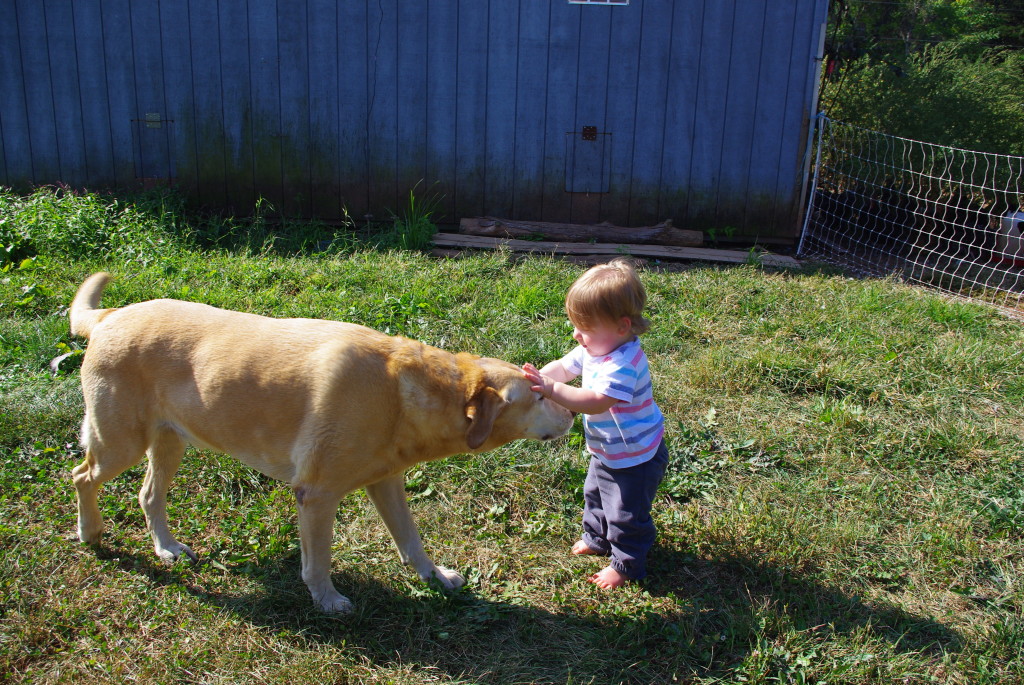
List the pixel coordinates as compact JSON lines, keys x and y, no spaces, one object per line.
{"x":176,"y":58}
{"x":662,"y":234}
{"x":152,"y":146}
{"x":683,"y":112}
{"x":612,"y":249}
{"x":531,"y":98}
{"x":35,"y":64}
{"x":265,"y":82}
{"x":793,"y":131}
{"x":382,"y":118}
{"x":623,"y":71}
{"x":92,"y":82}
{"x":560,"y":108}
{"x":293,"y":55}
{"x":439,"y":116}
{"x":120,"y":92}
{"x":732,"y":193}
{"x":587,"y":162}
{"x":205,"y":126}
{"x":67,"y":100}
{"x":709,"y":131}
{"x":503,"y":37}
{"x":652,"y":90}
{"x":471,"y":102}
{"x":767,"y":115}
{"x":323,"y":109}
{"x":794,"y":116}
{"x":232,"y":37}
{"x":353,"y":91}
{"x":411,"y":75}
{"x":14,"y":113}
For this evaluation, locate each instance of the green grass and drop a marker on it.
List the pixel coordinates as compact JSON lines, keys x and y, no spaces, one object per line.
{"x":844,"y":503}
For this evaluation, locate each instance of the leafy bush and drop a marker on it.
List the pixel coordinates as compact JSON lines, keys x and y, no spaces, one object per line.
{"x":62,"y":223}
{"x":943,"y":95}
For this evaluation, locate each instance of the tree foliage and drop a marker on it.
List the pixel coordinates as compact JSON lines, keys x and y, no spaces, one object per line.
{"x":949,"y":72}
{"x":895,"y":29}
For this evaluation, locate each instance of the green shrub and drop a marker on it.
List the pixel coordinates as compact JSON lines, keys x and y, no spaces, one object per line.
{"x":63,"y":223}
{"x":942,"y":95}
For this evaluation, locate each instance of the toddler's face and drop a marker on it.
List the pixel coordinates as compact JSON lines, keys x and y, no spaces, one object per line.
{"x":603,"y":337}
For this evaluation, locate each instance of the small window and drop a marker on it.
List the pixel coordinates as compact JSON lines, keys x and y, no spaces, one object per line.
{"x":598,"y":2}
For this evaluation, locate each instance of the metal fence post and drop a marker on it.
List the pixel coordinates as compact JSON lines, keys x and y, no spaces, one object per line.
{"x":820,"y":120}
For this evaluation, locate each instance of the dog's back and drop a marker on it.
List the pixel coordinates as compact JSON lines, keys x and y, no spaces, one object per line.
{"x":240,"y":383}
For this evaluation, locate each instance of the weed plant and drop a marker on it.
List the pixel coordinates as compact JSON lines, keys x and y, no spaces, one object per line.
{"x":844,"y":503}
{"x":414,"y":227}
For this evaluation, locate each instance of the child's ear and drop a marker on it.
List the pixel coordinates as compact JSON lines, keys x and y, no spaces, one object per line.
{"x":625,"y":325}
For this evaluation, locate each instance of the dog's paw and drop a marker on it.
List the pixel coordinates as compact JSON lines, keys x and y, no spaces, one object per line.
{"x":449,"y":579}
{"x":90,"y":526}
{"x":171,"y":553}
{"x":334,"y":603}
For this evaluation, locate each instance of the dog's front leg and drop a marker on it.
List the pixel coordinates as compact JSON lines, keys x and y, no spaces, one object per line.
{"x":388,"y":496}
{"x":316,"y":530}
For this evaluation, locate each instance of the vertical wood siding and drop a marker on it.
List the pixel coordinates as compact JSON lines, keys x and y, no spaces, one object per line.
{"x":700,"y":107}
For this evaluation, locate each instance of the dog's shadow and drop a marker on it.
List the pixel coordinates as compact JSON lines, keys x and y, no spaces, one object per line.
{"x":722,"y":611}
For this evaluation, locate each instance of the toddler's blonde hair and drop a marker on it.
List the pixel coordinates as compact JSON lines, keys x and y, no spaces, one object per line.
{"x":606,"y":293}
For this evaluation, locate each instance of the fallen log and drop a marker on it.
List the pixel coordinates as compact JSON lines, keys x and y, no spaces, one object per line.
{"x":662,"y":234}
{"x":651,"y":251}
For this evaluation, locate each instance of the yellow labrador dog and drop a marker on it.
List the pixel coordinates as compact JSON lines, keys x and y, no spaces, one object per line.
{"x":325,"y":406}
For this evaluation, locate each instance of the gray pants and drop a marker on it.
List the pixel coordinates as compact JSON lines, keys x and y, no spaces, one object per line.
{"x":617,"y":511}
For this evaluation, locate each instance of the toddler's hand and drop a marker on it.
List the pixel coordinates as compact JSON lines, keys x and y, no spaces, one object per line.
{"x":541,"y":383}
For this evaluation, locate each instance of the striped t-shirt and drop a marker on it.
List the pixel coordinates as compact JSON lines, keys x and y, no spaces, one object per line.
{"x":630,"y":432}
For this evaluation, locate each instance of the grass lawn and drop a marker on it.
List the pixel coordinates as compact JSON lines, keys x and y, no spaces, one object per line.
{"x":844,"y":502}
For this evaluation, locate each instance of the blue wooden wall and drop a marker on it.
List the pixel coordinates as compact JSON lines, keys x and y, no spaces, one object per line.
{"x":697,"y":110}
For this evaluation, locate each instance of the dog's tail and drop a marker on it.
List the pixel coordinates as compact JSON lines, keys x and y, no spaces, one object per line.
{"x":84,"y":313}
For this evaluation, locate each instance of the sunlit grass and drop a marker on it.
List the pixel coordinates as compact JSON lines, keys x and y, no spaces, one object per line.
{"x":844,"y":503}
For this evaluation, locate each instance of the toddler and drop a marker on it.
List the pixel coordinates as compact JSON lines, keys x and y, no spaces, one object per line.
{"x":623,"y":426}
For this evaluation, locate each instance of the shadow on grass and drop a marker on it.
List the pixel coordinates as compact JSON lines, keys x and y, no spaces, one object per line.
{"x":718,"y":613}
{"x":773,"y":599}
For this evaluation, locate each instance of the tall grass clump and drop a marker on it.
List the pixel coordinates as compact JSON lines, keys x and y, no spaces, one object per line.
{"x":413,"y":226}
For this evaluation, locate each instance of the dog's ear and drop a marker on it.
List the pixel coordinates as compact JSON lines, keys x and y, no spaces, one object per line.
{"x":482,"y":410}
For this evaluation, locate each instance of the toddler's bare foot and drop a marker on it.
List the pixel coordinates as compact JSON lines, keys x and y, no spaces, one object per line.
{"x":608,"y":578}
{"x":581,"y":548}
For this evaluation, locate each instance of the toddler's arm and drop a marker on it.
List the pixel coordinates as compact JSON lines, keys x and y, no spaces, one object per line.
{"x":574,"y":399}
{"x":555,"y":370}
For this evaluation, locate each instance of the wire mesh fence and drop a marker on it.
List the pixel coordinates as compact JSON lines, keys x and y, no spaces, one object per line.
{"x":933,"y":215}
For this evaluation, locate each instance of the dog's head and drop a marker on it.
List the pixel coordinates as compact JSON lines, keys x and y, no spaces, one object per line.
{"x":501,"y":408}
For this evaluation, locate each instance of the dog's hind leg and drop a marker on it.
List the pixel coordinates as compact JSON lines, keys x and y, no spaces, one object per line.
{"x":388,"y":496}
{"x":165,"y":454}
{"x":317,"y":510}
{"x":103,"y":461}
